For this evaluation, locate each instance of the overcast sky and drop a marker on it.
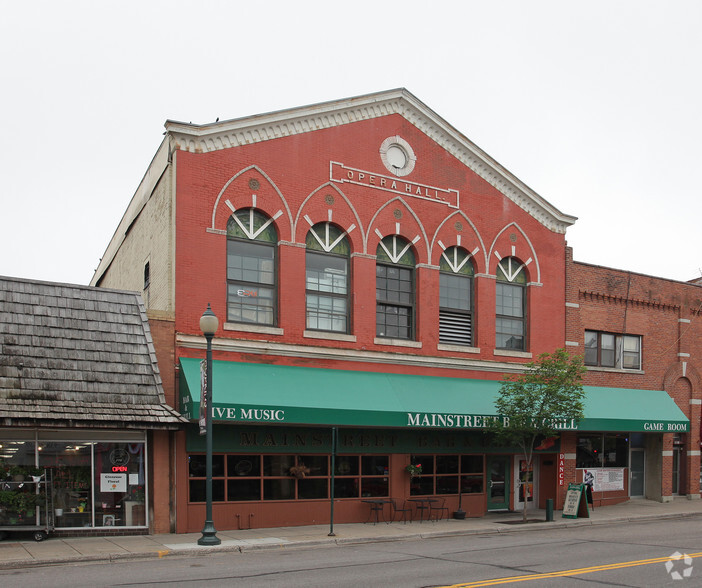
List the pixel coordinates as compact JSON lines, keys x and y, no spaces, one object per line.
{"x":594,"y":105}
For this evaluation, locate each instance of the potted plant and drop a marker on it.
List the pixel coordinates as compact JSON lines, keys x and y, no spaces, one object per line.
{"x":17,"y":473}
{"x":299,"y":471}
{"x":414,"y":469}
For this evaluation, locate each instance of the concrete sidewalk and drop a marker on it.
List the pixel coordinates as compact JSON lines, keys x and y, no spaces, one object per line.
{"x":21,"y":551}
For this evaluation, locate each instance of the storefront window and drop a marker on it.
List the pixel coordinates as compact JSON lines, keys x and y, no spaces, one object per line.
{"x":609,"y":450}
{"x":471,"y":474}
{"x":441,"y":474}
{"x":616,"y":451}
{"x":72,"y":490}
{"x":95,"y":479}
{"x":120,"y":485}
{"x":197,"y":469}
{"x":288,"y":477}
{"x":589,"y":451}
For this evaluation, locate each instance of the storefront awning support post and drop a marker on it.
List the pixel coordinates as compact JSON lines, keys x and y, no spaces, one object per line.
{"x":333,"y":469}
{"x":208,"y":325}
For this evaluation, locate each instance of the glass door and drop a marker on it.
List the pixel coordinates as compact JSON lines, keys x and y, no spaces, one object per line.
{"x":636,"y":473}
{"x":524,"y":484}
{"x":498,"y":482}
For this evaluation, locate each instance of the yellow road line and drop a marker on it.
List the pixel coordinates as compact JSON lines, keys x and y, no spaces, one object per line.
{"x":574,"y":572}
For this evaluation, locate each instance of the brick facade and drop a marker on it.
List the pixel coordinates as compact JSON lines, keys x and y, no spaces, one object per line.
{"x":665,"y":313}
{"x":325,"y":163}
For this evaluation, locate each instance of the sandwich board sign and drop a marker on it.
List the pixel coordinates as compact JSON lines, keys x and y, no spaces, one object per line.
{"x":576,"y":502}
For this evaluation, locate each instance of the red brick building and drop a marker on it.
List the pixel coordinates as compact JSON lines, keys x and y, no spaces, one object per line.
{"x":375,"y":275}
{"x":641,"y":332}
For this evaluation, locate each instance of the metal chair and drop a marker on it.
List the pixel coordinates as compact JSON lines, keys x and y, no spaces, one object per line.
{"x":404,"y":510}
{"x":436,"y":509}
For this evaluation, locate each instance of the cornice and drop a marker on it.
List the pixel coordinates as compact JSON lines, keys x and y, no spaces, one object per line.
{"x":242,"y":346}
{"x":595,"y":296}
{"x":295,"y":121}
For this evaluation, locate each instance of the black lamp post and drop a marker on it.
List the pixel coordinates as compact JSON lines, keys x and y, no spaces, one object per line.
{"x":208,"y":326}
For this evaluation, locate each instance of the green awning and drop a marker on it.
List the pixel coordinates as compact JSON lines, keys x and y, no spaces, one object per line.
{"x":275,"y":394}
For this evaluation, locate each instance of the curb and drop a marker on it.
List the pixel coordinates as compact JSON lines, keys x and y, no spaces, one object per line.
{"x":493,"y":529}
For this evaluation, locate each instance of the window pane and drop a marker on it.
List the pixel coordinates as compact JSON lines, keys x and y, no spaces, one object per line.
{"x":120,"y":508}
{"x":326,"y":273}
{"x":250,"y":262}
{"x":589,"y":451}
{"x":72,"y":481}
{"x":631,"y":356}
{"x":454,"y":292}
{"x":607,"y":349}
{"x":274,"y":489}
{"x":472,"y":484}
{"x":317,"y":464}
{"x":250,"y":304}
{"x":446,"y":464}
{"x":510,"y":300}
{"x":447,"y":484}
{"x":422,"y":485}
{"x":374,"y":465}
{"x":243,"y":465}
{"x":326,"y":313}
{"x":277,"y":465}
{"x":616,"y":451}
{"x":346,"y":487}
{"x":471,"y":464}
{"x":198,"y":491}
{"x":347,"y":465}
{"x":374,"y":487}
{"x":510,"y":334}
{"x":590,"y":347}
{"x":312,"y":488}
{"x":243,"y":489}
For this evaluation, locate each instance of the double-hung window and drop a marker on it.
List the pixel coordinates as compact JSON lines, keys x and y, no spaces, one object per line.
{"x":510,"y":310}
{"x":394,"y":288}
{"x":327,"y":279}
{"x":612,"y":350}
{"x":251,"y":272}
{"x":456,"y":297}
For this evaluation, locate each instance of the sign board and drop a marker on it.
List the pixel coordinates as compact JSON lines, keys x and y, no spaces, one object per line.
{"x":575,"y":502}
{"x":113,"y":482}
{"x":605,"y":479}
{"x":203,"y":397}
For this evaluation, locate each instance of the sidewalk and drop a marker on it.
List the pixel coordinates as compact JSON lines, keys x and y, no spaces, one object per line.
{"x":22,"y":551}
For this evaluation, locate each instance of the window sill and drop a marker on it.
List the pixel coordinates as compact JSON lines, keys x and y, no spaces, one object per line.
{"x":595,"y":368}
{"x":508,"y":353}
{"x":248,"y":328}
{"x":329,"y":336}
{"x":397,"y":342}
{"x":457,"y":348}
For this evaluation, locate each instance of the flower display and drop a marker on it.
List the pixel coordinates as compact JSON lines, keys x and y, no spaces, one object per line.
{"x":414,"y":469}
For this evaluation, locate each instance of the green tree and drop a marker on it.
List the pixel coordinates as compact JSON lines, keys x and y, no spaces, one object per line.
{"x":539,"y":403}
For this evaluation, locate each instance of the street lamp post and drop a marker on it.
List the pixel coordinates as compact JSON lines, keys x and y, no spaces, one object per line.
{"x":208,"y":326}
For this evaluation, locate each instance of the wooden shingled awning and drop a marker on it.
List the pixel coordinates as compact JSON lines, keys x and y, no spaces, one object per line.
{"x":76,"y":356}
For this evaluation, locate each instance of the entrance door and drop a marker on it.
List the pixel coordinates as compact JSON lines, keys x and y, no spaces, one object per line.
{"x":498,"y":482}
{"x":677,"y":452}
{"x":524,"y":484}
{"x":636,"y":479}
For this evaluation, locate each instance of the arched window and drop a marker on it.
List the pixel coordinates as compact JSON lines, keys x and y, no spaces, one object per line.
{"x":394,"y":288}
{"x":327,"y":279}
{"x":251,"y":275}
{"x":456,"y":297}
{"x":510,"y":319}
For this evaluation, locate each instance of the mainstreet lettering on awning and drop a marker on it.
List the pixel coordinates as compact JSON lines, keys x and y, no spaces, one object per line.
{"x":276,"y":394}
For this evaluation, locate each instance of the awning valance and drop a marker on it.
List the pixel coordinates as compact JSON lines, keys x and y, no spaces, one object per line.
{"x":275,"y":394}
